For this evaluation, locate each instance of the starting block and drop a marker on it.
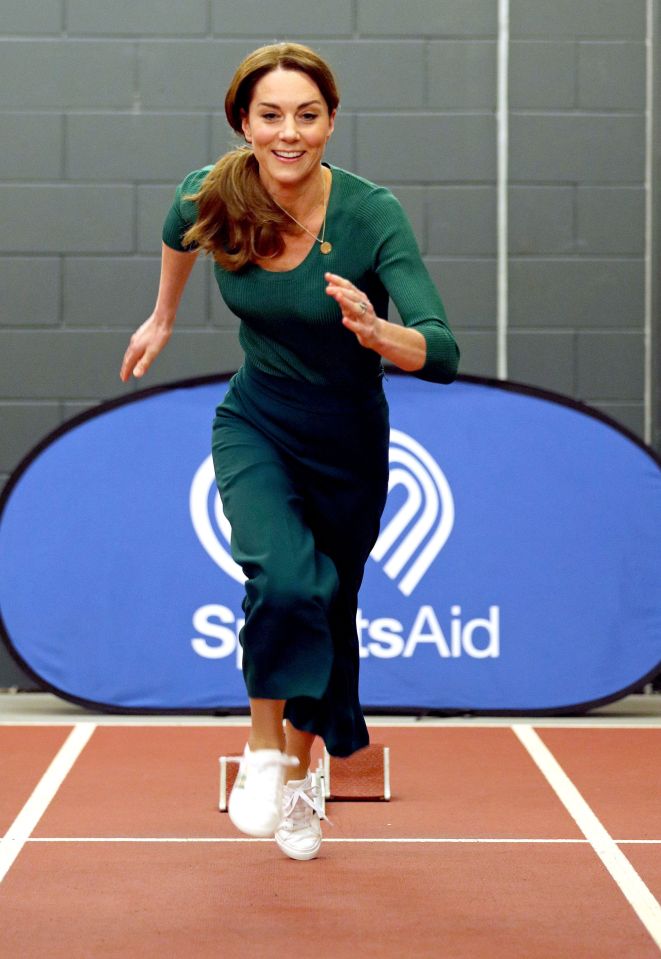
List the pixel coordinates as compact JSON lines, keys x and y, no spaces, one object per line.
{"x":363,"y":777}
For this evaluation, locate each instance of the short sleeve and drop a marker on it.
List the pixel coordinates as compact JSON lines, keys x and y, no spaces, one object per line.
{"x":183,"y":213}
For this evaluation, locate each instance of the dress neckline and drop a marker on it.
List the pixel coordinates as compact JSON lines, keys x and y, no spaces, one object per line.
{"x":309,"y":254}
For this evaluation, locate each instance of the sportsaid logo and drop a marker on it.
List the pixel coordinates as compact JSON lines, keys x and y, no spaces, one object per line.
{"x":413,"y":537}
{"x":407,"y":546}
{"x":427,"y":509}
{"x":209,"y":521}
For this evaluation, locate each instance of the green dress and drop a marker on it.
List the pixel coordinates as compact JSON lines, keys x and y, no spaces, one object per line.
{"x":300,"y":445}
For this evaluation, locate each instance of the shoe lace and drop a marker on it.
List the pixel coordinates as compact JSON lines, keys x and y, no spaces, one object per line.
{"x":310,"y":798}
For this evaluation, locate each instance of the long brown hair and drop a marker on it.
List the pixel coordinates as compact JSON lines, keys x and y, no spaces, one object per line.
{"x":237,"y":219}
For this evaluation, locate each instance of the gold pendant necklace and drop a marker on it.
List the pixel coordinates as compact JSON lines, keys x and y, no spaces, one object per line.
{"x":324,"y":245}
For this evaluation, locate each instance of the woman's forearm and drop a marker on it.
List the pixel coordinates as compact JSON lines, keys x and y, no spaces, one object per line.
{"x":175,"y":269}
{"x":403,"y":346}
{"x":150,"y":338}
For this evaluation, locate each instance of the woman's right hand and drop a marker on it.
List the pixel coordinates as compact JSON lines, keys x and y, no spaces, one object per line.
{"x":144,"y":346}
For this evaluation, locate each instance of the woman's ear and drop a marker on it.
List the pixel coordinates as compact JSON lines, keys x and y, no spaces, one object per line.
{"x":331,"y":120}
{"x":245,"y":126}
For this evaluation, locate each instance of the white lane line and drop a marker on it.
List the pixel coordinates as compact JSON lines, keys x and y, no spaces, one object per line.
{"x":437,"y":840}
{"x":20,"y":830}
{"x":638,"y":842}
{"x":631,"y":885}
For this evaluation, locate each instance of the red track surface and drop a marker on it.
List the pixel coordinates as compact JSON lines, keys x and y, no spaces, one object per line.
{"x":450,"y":899}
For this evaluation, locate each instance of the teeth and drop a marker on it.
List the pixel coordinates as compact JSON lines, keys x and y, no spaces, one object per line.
{"x":288,"y":155}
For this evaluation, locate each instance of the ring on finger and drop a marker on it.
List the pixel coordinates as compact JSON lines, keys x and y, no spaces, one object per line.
{"x":362,"y":306}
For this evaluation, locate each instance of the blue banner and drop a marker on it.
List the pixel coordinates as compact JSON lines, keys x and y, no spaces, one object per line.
{"x":517,"y":568}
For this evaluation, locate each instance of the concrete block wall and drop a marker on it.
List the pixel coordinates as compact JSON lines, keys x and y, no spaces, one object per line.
{"x":577,"y":201}
{"x":105,"y":107}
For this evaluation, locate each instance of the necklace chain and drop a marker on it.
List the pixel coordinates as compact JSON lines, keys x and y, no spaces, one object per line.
{"x":325,"y":247}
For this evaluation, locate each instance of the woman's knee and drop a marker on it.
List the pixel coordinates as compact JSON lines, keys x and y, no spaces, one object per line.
{"x":281,"y":594}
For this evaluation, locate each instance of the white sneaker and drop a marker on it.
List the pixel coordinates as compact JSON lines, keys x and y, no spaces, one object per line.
{"x":255,"y":805}
{"x":299,"y":833}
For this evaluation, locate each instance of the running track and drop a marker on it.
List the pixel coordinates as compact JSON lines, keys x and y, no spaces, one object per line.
{"x":515,"y":841}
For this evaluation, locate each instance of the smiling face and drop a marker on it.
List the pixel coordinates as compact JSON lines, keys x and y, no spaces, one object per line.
{"x":288,"y":125}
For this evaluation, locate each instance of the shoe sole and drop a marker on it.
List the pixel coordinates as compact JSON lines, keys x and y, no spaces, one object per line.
{"x":299,"y":856}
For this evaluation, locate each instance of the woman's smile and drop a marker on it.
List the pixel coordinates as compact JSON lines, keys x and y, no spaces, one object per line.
{"x":288,"y":156}
{"x":288,"y":126}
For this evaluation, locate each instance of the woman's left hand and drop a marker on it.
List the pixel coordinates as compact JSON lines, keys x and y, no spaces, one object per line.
{"x":357,"y":312}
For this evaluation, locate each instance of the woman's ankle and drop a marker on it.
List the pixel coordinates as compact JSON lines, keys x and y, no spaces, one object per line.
{"x":265,"y":742}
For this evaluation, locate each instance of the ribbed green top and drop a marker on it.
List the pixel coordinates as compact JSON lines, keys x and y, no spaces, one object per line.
{"x":291,"y":327}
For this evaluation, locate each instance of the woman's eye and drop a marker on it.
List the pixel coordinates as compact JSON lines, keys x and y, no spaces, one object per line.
{"x":268,"y":116}
{"x":309,"y":116}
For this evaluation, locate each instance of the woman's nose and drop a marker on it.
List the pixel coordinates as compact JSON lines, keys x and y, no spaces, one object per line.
{"x":289,"y":129}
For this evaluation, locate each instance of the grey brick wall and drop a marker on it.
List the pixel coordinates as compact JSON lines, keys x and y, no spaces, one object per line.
{"x":104,"y":107}
{"x":577,"y":201}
